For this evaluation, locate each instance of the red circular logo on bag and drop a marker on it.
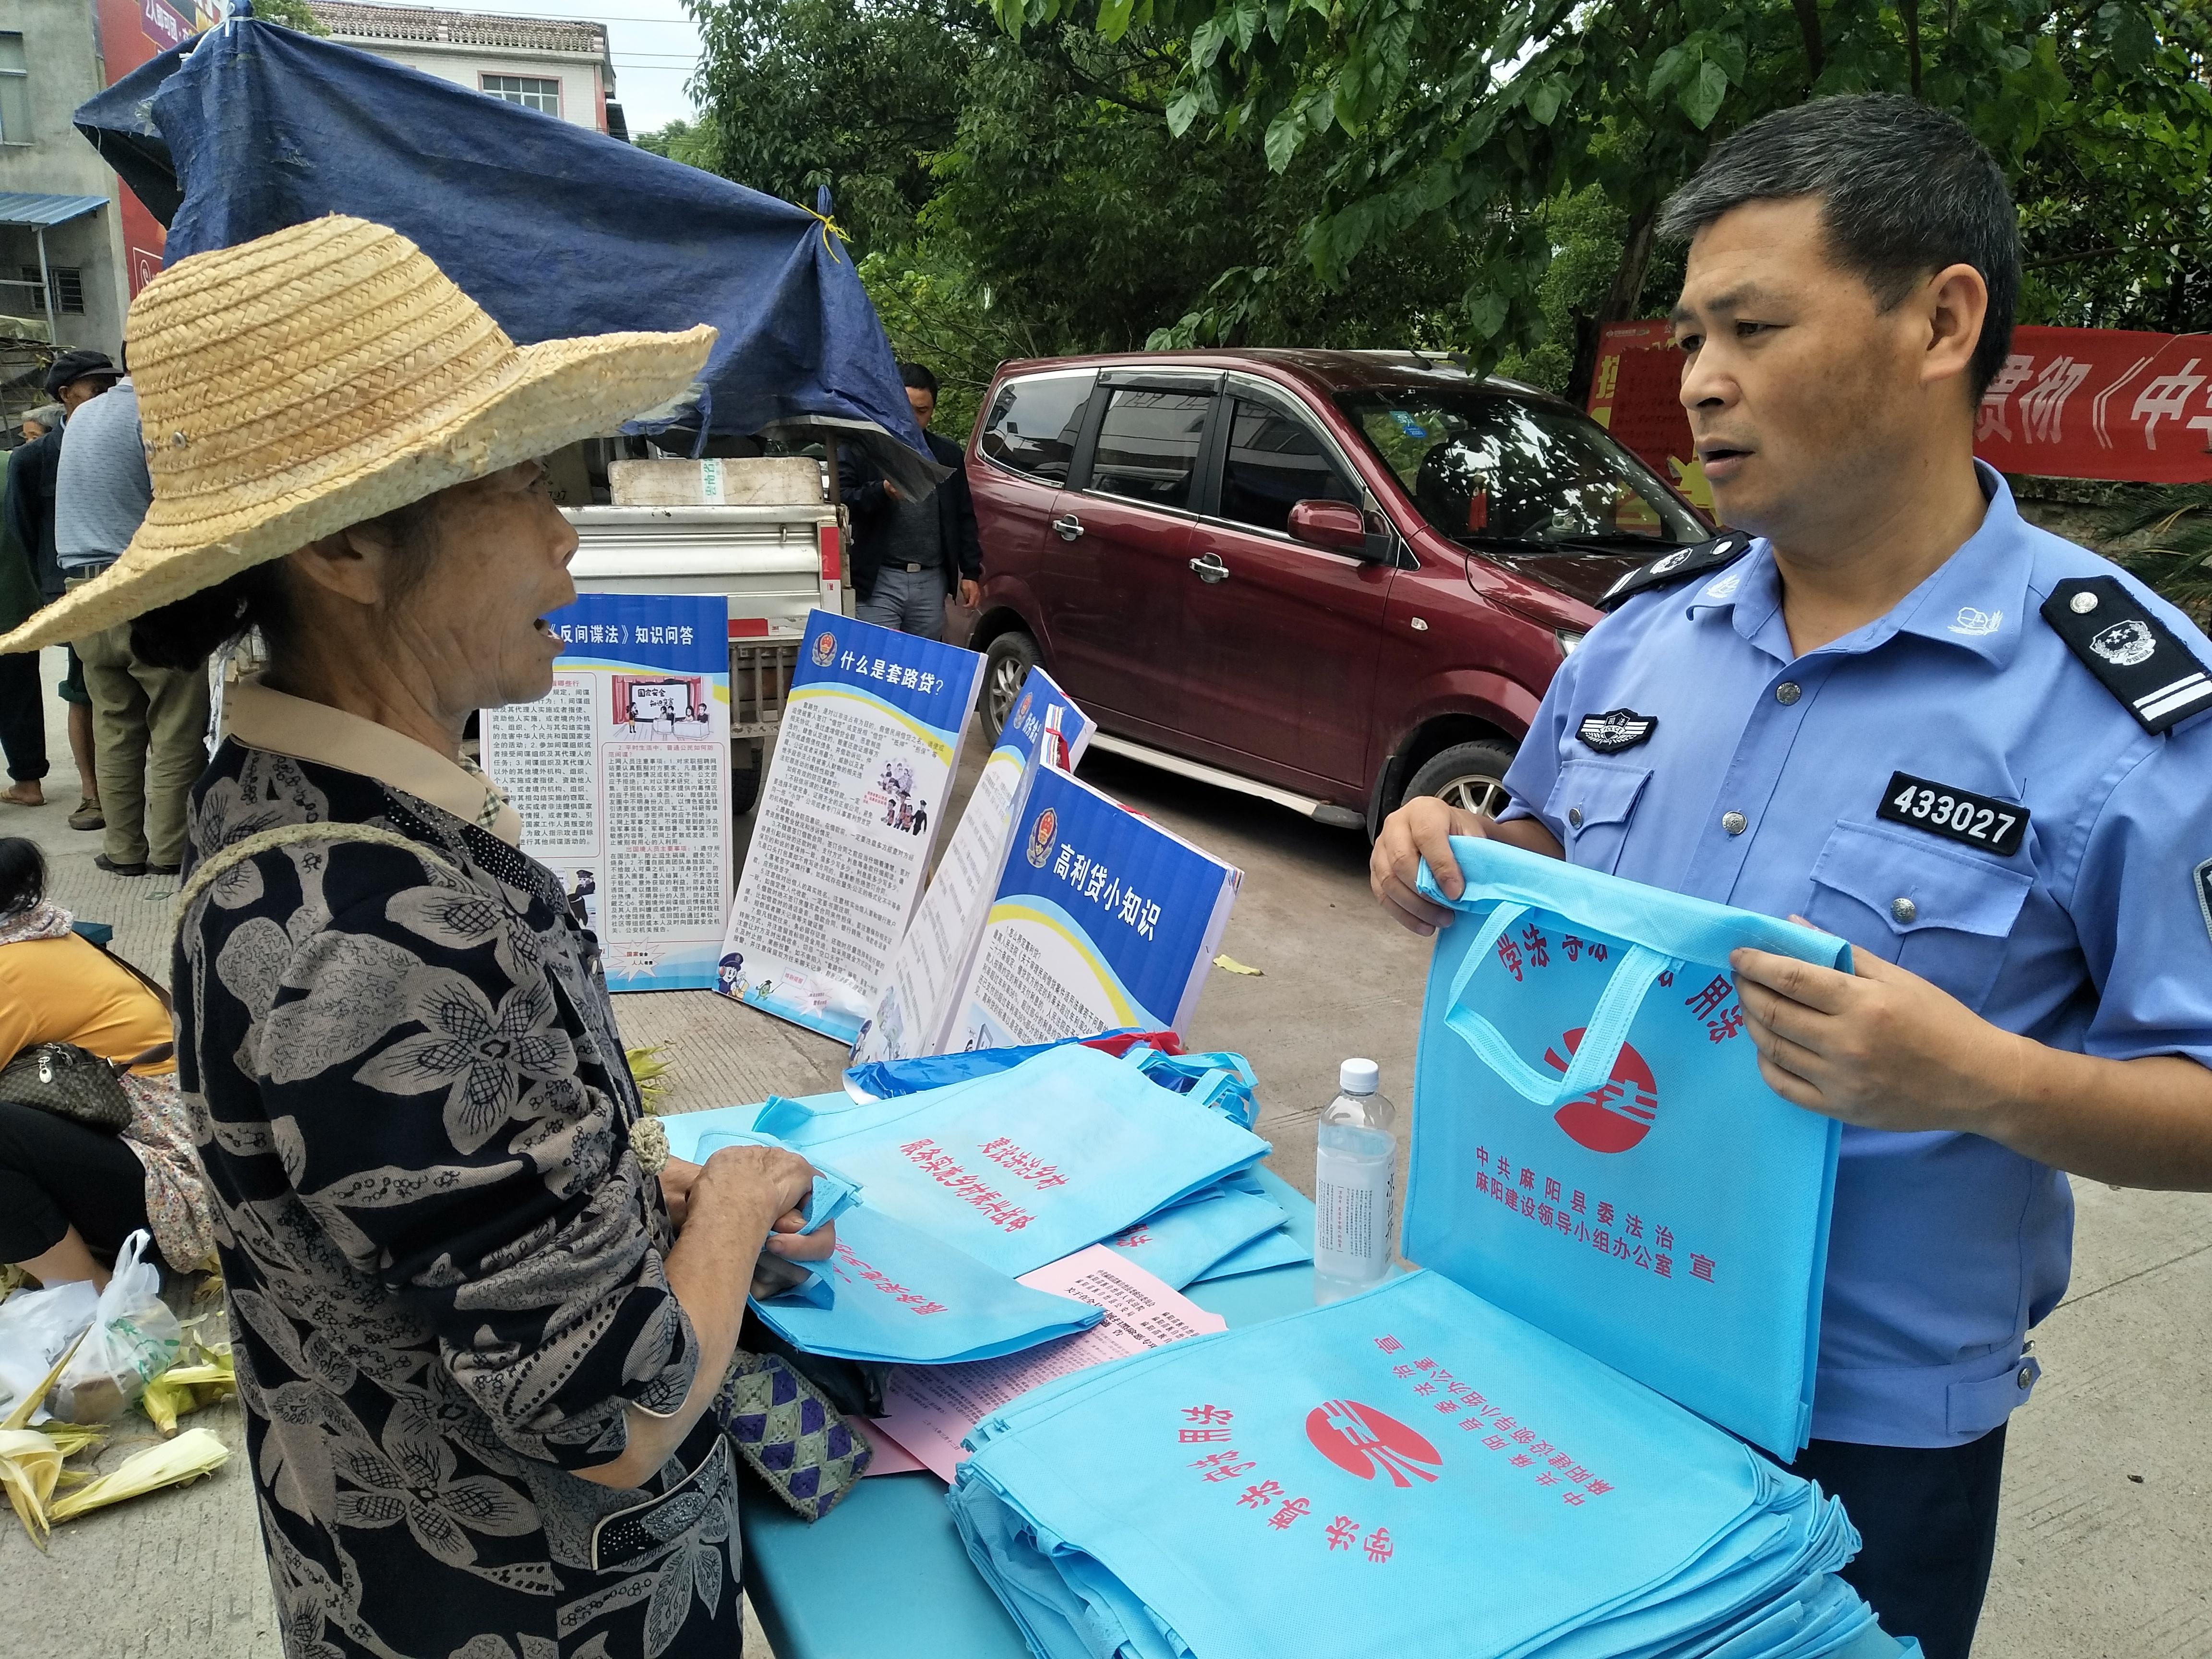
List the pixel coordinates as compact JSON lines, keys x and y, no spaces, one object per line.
{"x":1615,"y":1118}
{"x":1362,"y":1441}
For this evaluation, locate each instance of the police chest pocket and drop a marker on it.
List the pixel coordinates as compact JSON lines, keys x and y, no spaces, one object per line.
{"x":1946,"y":916}
{"x":1593,"y":803}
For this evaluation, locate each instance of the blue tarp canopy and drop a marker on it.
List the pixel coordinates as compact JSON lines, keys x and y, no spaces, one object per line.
{"x":553,"y":229}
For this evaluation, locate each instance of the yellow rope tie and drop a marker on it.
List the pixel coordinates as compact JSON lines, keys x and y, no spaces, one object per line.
{"x":829,"y":224}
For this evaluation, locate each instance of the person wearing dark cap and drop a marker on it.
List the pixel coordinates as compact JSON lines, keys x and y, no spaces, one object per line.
{"x":74,"y":378}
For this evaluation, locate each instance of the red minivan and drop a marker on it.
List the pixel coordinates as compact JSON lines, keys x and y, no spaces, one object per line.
{"x":1331,"y":578}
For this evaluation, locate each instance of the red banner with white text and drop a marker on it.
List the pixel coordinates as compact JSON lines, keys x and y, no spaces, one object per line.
{"x":2070,"y":402}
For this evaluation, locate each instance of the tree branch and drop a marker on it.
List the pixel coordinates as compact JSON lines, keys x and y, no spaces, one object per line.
{"x":1809,"y":28}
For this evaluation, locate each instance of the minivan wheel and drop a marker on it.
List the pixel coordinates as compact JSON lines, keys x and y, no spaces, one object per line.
{"x":1466,"y":775}
{"x":1005,"y":665}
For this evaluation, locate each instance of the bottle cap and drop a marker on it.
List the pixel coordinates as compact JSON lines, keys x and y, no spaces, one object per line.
{"x":1360,"y":1077}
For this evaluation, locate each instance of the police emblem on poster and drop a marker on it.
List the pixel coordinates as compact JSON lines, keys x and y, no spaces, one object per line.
{"x":1041,"y":834}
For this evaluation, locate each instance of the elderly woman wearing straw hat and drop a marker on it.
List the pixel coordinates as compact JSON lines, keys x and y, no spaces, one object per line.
{"x":478,"y":1365}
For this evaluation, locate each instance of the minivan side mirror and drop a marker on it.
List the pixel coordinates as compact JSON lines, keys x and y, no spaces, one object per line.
{"x":1338,"y":525}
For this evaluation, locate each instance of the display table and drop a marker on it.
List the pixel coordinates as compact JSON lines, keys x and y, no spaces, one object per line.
{"x":884,"y":1573}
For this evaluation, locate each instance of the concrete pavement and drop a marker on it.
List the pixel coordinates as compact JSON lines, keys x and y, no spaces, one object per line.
{"x":2092,"y":1562}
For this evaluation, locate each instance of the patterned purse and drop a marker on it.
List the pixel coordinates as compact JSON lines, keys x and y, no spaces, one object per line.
{"x":790,"y":1436}
{"x":74,"y":1082}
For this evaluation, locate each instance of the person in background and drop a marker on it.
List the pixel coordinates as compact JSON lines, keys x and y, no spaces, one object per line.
{"x":37,"y":422}
{"x":70,"y":1195}
{"x":75,"y":379}
{"x":149,"y":724}
{"x":910,"y":554}
{"x":23,"y":710}
{"x":2032,"y":989}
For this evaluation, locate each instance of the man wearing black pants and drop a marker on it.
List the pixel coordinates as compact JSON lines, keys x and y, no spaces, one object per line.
{"x":908,"y":554}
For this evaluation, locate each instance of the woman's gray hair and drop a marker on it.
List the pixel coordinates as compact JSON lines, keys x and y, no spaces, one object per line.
{"x":1905,"y":190}
{"x":48,"y":416}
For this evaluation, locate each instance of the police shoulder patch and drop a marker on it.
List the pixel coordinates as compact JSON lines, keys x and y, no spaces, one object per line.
{"x":1701,"y":559}
{"x":2133,"y":654}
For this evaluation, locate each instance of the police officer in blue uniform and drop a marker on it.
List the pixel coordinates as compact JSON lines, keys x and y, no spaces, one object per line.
{"x":1886,"y":704}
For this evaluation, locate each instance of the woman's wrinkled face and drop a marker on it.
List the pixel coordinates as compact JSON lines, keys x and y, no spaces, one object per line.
{"x":476,"y":620}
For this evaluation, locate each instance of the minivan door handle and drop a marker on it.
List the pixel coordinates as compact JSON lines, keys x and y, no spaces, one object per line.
{"x":1208,"y":568}
{"x":1069,"y":527}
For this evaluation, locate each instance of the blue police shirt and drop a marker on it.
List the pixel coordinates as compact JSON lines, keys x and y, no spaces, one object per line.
{"x":1759,"y":784}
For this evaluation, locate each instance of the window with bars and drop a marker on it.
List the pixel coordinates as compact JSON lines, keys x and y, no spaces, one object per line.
{"x":14,"y":91}
{"x":545,"y":96}
{"x":68,"y":289}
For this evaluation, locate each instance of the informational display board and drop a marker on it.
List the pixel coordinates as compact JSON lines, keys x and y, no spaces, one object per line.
{"x":1101,"y":920}
{"x":914,"y":1010}
{"x":864,"y":761}
{"x":621,"y":773}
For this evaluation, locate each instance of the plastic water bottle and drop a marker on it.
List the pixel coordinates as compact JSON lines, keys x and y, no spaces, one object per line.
{"x":1355,"y":1185}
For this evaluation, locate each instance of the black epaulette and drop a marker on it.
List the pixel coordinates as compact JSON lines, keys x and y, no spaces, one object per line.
{"x":1680,"y":565}
{"x":2132,"y":654}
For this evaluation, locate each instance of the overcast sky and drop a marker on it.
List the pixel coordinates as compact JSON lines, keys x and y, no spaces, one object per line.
{"x":655,"y":47}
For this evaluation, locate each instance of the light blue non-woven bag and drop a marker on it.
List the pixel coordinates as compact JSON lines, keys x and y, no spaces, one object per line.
{"x":899,"y":1297}
{"x":1180,"y":1244}
{"x":1023,"y":1166}
{"x":1593,"y":1149}
{"x":1408,"y":1471}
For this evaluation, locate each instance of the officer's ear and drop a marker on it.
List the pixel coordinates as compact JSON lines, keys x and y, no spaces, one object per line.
{"x":1953,"y":303}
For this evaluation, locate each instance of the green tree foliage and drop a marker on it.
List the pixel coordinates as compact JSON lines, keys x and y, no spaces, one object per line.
{"x":1494,"y":117}
{"x":1027,"y":197}
{"x":292,"y":13}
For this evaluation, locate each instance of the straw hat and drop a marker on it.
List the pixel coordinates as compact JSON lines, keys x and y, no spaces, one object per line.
{"x":325,"y":374}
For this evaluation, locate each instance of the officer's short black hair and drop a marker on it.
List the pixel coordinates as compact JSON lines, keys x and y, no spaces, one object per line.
{"x":1905,"y":189}
{"x":919,"y":379}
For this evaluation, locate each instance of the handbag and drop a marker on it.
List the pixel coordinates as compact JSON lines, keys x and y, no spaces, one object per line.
{"x":74,"y":1083}
{"x":1595,"y":1151}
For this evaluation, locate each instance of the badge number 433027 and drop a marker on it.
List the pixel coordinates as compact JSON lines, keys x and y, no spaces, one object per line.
{"x":1995,"y":826}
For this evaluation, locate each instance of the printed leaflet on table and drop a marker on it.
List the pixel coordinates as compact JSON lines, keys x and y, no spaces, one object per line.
{"x":1102,"y":922}
{"x":914,"y":1010}
{"x":928,"y":1410}
{"x":864,"y":761}
{"x":621,"y":773}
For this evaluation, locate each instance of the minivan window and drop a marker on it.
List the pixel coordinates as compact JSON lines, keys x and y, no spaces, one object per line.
{"x":1148,"y":445}
{"x":1485,"y":469}
{"x":1035,"y":422}
{"x":1275,"y":462}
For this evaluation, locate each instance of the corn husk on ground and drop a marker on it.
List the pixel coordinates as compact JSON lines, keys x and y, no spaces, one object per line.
{"x":648,"y":1067}
{"x":33,"y":1459}
{"x":183,"y":1389}
{"x":193,"y":1453}
{"x":30,"y":1461}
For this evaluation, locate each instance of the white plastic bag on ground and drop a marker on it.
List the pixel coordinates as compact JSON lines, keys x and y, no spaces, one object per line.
{"x":135,"y":1337}
{"x":36,"y":1328}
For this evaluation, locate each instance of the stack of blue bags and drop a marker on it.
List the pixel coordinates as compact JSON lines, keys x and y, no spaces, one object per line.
{"x":1546,"y":1446}
{"x":1408,"y":1471}
{"x":952,"y":1193}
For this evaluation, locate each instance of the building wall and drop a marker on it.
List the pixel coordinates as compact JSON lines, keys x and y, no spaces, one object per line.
{"x":60,"y":48}
{"x":578,"y":75}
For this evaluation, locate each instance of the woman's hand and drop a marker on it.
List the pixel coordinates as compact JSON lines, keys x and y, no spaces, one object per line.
{"x":760,"y":1184}
{"x":676,"y":1177}
{"x":774,"y":1273}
